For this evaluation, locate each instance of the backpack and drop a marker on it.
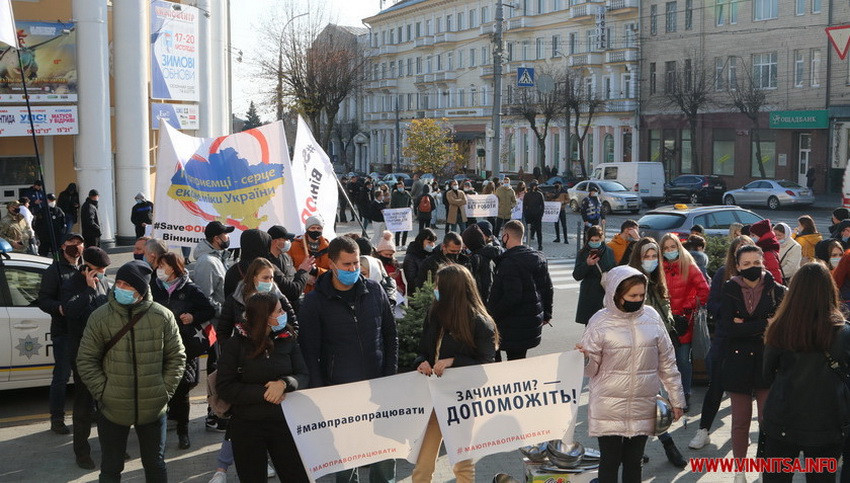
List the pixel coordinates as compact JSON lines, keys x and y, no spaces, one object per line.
{"x":424,"y":204}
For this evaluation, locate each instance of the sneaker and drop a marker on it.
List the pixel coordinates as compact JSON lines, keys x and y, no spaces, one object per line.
{"x":556,"y":240}
{"x":85,"y":462}
{"x":700,"y":439}
{"x":270,"y":472}
{"x":673,"y":455}
{"x":59,"y":427}
{"x":219,"y":477}
{"x":740,"y":478}
{"x":222,"y":425}
{"x":211,"y":421}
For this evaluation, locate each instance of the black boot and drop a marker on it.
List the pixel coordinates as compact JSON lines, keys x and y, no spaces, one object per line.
{"x":673,"y":455}
{"x":183,"y":437}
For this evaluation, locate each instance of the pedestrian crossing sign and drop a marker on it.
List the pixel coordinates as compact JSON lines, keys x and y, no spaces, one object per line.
{"x":525,"y":77}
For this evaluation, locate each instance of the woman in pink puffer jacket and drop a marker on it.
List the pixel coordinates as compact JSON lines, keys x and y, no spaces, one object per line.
{"x":628,"y":357}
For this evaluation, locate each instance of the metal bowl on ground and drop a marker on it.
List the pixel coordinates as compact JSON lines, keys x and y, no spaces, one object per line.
{"x":563,"y":455}
{"x":535,"y":453}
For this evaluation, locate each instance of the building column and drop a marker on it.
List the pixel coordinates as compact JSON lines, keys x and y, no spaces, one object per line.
{"x":564,"y":137}
{"x":132,"y":145}
{"x":206,"y":111}
{"x":519,"y":154}
{"x":218,"y":68}
{"x":618,"y":143}
{"x":532,"y":150}
{"x":635,"y":139}
{"x":48,"y":164}
{"x":93,"y":150}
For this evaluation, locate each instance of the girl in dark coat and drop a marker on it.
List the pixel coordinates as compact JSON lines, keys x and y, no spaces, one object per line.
{"x":418,"y":250}
{"x":257,"y":367}
{"x":458,"y":332}
{"x":192,"y":309}
{"x":591,"y":262}
{"x":807,"y":407}
{"x":749,"y":299}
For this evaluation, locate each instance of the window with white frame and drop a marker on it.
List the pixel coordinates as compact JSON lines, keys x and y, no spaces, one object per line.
{"x":719,"y":67}
{"x":450,"y":61}
{"x":720,"y":12}
{"x":669,"y":76}
{"x":626,"y":82}
{"x":589,"y":40}
{"x":540,"y":54}
{"x":473,"y":22}
{"x":556,"y":45}
{"x":429,"y":65}
{"x":526,"y":50}
{"x":653,"y":19}
{"x":439,"y":62}
{"x":733,"y":12}
{"x":510,"y":54}
{"x":816,"y":6}
{"x":439,"y":25}
{"x":800,"y":7}
{"x":556,"y":5}
{"x":419,"y":65}
{"x":461,"y":98}
{"x":473,"y":96}
{"x":449,"y":23}
{"x":460,"y":59}
{"x":461,"y":21}
{"x":485,"y":14}
{"x":765,"y":9}
{"x":815,"y":67}
{"x":606,"y":85}
{"x":764,"y":70}
{"x":541,"y":6}
{"x":670,"y":17}
{"x":572,"y":41}
{"x":689,"y":14}
{"x":733,"y":72}
{"x":418,"y":29}
{"x":472,"y":58}
{"x":799,"y":68}
{"x":652,"y":78}
{"x":428,"y":27}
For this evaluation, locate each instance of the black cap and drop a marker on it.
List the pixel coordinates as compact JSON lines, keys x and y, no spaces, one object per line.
{"x":96,"y":256}
{"x":841,"y":214}
{"x":51,"y":196}
{"x":534,"y":183}
{"x":93,"y":193}
{"x":278,"y":231}
{"x":593,"y":188}
{"x":137,"y":273}
{"x":37,"y":182}
{"x":70,"y":236}
{"x":216,"y":228}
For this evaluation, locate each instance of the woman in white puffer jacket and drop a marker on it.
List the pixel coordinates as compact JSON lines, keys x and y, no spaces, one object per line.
{"x":628,"y":356}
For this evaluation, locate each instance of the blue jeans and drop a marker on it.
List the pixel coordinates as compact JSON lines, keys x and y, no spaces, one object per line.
{"x":225,"y":455}
{"x":683,"y":362}
{"x":380,"y":472}
{"x":113,"y":444}
{"x":69,"y":223}
{"x":61,"y":374}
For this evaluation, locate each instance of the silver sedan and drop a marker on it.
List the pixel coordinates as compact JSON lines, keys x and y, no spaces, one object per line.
{"x":770,"y":193}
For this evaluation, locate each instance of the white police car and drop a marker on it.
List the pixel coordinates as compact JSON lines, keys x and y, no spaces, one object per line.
{"x":26,"y":356}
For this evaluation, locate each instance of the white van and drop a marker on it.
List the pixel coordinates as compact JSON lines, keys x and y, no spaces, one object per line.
{"x":644,"y":178}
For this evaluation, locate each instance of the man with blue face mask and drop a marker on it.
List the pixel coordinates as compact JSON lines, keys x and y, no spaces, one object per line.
{"x":293,"y":280}
{"x":133,"y":343}
{"x":348,"y":332}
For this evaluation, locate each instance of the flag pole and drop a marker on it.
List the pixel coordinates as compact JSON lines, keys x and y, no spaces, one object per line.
{"x":45,"y":207}
{"x":347,"y":199}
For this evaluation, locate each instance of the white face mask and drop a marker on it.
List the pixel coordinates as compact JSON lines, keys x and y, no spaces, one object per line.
{"x":51,"y":204}
{"x":161,"y":275}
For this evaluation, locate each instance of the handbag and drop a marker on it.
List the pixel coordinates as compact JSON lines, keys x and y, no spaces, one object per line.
{"x":219,"y":406}
{"x":701,"y":343}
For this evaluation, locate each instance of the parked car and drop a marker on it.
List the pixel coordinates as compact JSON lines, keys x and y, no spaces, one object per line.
{"x":25,"y":358}
{"x":613,"y":195}
{"x":393,"y":179}
{"x":680,"y":218}
{"x":476,"y":180}
{"x":646,"y":178}
{"x":696,"y":189}
{"x":376,"y":177}
{"x":772,"y":193}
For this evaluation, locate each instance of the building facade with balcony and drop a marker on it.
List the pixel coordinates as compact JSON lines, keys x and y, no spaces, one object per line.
{"x":434,"y":59}
{"x":772,"y":52}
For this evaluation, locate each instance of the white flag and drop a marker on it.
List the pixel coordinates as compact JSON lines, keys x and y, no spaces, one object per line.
{"x":315,"y":181}
{"x":8,"y":34}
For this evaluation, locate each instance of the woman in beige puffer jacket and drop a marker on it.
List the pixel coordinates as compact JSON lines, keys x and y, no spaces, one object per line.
{"x":629,"y":357}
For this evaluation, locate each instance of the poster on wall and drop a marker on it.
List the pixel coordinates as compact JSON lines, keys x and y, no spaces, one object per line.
{"x":178,"y":116}
{"x":174,"y":51}
{"x":49,"y":55}
{"x":48,"y":121}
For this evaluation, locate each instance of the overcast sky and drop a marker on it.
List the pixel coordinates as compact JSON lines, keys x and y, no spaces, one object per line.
{"x":245,"y":15}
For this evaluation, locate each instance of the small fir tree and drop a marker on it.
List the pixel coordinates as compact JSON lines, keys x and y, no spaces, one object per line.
{"x":410,"y":326}
{"x":253,"y":120}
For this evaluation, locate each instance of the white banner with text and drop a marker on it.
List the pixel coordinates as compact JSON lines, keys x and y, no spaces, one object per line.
{"x":482,"y":206}
{"x":398,"y":219}
{"x":551,"y":210}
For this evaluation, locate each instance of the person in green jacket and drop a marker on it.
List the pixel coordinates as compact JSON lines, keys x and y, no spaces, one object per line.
{"x":400,"y":199}
{"x":507,"y":201}
{"x":133,"y":380}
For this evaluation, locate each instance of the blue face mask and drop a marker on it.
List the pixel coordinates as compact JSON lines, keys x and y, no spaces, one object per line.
{"x":429,"y":248}
{"x":594,"y":244}
{"x":124,"y":296}
{"x":834,"y":261}
{"x":281,"y":323}
{"x":436,"y":295}
{"x":263,"y":287}
{"x":649,"y":266}
{"x":845,"y":238}
{"x":671,"y":255}
{"x":348,"y":278}
{"x":286,"y":246}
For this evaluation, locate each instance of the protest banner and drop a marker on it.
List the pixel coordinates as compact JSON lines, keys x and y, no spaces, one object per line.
{"x":342,"y":427}
{"x":398,"y":219}
{"x":551,"y":210}
{"x":175,"y":70}
{"x":494,"y":408}
{"x":315,"y":182}
{"x":242,"y":180}
{"x":516,"y":213}
{"x":482,"y":206}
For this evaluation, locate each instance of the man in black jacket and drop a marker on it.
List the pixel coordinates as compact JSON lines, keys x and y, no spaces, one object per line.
{"x":141,"y":214}
{"x":50,"y":302}
{"x":49,"y":237}
{"x":83,"y":292}
{"x":346,"y":307}
{"x":521,"y":297}
{"x":532,"y":210}
{"x":448,"y":252}
{"x":90,"y":221}
{"x":293,"y":281}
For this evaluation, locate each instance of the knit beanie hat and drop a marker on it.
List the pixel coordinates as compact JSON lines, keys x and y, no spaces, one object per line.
{"x":314,"y":220}
{"x":97,"y":257}
{"x":473,"y":237}
{"x":137,"y":273}
{"x":760,"y":228}
{"x":386,"y":242}
{"x":365,"y":246}
{"x":486,"y":228}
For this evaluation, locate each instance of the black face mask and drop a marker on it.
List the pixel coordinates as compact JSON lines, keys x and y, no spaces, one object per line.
{"x":139,"y":256}
{"x":452,"y":256}
{"x":629,"y":306}
{"x":752,"y":274}
{"x":315,"y":235}
{"x":385,"y":259}
{"x":224,"y":244}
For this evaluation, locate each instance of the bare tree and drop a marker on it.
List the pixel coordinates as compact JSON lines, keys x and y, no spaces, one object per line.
{"x":690,"y":93}
{"x":539,"y":109}
{"x":750,"y":99}
{"x":581,"y":104}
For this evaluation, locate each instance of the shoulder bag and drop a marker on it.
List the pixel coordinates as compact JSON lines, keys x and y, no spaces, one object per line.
{"x":121,"y":333}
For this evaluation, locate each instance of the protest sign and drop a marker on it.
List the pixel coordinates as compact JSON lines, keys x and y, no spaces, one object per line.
{"x":482,"y":206}
{"x":398,"y":219}
{"x":516,"y":213}
{"x":242,"y":180}
{"x":315,"y":182}
{"x":342,"y":427}
{"x":551,"y":210}
{"x":494,"y":408}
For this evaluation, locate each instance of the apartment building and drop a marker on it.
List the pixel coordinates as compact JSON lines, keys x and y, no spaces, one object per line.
{"x":777,"y":47}
{"x":433,"y":59}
